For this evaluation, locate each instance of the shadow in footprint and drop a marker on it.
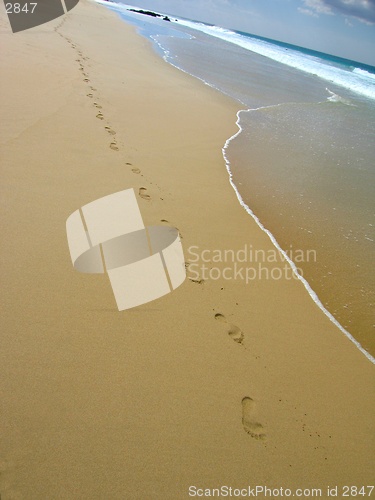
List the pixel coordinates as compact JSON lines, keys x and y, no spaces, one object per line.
{"x":234,"y":332}
{"x":143,"y":194}
{"x":251,"y":427}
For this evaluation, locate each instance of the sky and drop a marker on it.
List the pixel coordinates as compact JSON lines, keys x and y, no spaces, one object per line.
{"x":344,"y":28}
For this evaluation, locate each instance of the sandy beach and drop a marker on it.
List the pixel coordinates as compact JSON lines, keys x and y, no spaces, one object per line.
{"x":220,"y":383}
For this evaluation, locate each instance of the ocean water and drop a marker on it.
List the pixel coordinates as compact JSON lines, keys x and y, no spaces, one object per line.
{"x":302,"y":163}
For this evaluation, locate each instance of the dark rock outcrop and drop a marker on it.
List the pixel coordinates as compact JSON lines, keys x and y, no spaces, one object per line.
{"x":150,"y":13}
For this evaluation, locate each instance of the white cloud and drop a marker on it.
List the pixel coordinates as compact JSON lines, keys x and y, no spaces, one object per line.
{"x":307,"y":12}
{"x":362,"y":10}
{"x":319,"y":6}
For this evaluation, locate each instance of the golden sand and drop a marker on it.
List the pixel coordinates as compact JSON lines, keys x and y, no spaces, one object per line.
{"x":218,"y":383}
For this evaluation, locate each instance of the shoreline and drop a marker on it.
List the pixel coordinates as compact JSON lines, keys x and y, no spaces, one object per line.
{"x":216,"y":383}
{"x":362,"y":339}
{"x":309,"y":288}
{"x":314,"y":296}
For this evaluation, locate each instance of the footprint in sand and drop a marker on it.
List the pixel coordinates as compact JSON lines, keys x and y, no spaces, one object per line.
{"x":136,"y":171}
{"x":200,"y":282}
{"x":109,"y":130}
{"x":113,"y":146}
{"x":86,"y":80}
{"x":253,"y":428}
{"x":143,"y":194}
{"x":100,"y":116}
{"x":90,"y":95}
{"x":93,"y":89}
{"x":234,"y":332}
{"x":97,"y":105}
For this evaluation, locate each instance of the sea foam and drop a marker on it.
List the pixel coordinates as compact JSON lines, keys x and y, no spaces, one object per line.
{"x":354,"y":79}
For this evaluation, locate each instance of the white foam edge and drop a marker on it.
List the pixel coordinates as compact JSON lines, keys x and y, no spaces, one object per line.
{"x":305,"y":283}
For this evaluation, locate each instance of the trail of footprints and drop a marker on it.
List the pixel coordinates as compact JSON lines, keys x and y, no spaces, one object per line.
{"x":91,"y":94}
{"x":82,"y":62}
{"x":251,"y":426}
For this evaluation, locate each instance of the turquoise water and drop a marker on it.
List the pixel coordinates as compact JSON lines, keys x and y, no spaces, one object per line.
{"x":303,"y":163}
